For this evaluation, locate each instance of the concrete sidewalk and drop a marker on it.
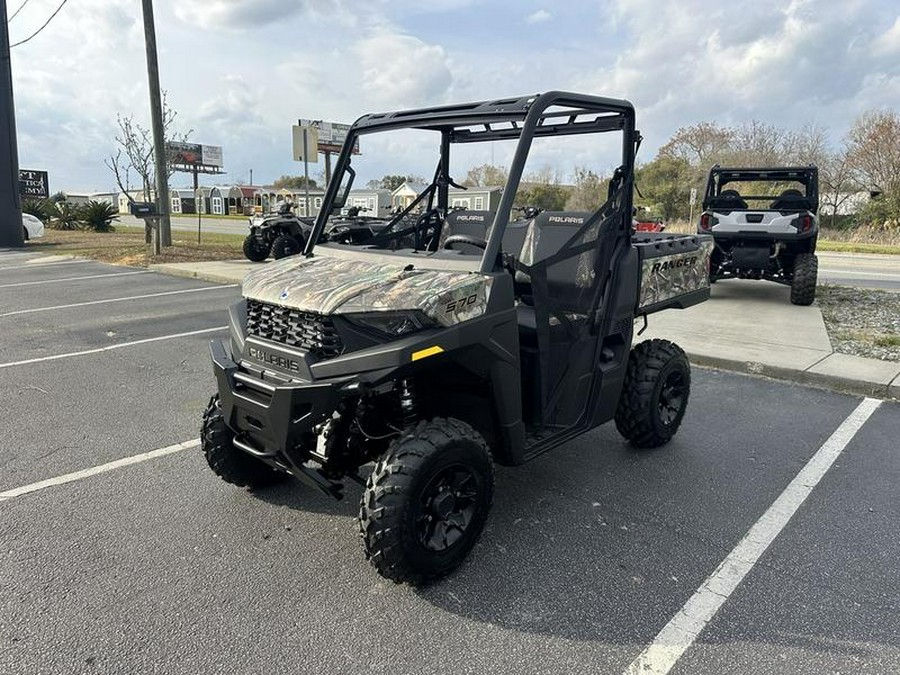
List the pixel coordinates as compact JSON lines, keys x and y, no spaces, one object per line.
{"x":746,"y":326}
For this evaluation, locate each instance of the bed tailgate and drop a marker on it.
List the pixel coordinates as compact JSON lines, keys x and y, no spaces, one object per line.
{"x":674,"y":270}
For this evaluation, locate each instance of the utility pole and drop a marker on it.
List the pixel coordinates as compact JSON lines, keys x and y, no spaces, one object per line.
{"x":10,"y":206}
{"x":156,"y":118}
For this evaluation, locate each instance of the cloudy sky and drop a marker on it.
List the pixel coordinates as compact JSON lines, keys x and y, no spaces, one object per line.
{"x":240,"y":72}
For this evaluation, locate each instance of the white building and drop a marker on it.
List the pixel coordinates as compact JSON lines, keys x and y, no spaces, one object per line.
{"x":375,"y":203}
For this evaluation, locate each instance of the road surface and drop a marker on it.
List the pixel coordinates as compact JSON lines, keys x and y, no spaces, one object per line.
{"x":846,"y":269}
{"x":123,"y":553}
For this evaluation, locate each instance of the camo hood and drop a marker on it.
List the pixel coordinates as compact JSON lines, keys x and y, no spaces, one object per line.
{"x":330,"y":286}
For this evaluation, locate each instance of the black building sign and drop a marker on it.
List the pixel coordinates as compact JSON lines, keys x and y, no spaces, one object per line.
{"x":33,"y":184}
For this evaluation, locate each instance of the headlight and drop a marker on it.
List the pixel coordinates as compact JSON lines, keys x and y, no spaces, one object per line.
{"x":392,"y":323}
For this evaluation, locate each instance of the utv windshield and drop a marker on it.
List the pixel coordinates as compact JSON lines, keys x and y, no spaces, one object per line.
{"x":439,"y":187}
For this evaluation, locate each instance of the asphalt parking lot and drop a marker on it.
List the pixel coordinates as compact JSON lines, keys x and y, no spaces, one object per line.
{"x":590,"y":552}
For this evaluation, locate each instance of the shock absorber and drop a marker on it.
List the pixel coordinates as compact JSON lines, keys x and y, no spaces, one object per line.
{"x":408,"y":411}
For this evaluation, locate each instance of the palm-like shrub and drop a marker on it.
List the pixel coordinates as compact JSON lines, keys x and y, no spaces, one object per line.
{"x":64,"y":216}
{"x":39,"y":208}
{"x":98,"y":216}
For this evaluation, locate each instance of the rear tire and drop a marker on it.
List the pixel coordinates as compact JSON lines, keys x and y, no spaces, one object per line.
{"x":255,"y":250}
{"x":803,"y":283}
{"x":285,"y":245}
{"x":25,"y":233}
{"x":228,"y":462}
{"x":655,"y":394}
{"x":427,"y":501}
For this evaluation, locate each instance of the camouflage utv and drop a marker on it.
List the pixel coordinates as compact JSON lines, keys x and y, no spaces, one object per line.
{"x":453,"y":339}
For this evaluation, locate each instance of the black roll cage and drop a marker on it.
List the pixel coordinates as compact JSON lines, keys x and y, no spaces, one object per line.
{"x":554,"y":113}
{"x":719,"y":177}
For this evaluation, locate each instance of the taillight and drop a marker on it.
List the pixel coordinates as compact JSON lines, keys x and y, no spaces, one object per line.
{"x":806,"y":223}
{"x":705,"y":222}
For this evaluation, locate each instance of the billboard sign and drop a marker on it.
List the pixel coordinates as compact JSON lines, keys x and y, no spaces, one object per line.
{"x":195,"y":155}
{"x":33,"y":184}
{"x":331,"y":135}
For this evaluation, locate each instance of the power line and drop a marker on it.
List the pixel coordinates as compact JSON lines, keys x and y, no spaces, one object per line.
{"x":55,"y":12}
{"x":21,"y":7}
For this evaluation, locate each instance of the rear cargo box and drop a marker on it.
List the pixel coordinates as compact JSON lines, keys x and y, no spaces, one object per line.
{"x":674,"y":270}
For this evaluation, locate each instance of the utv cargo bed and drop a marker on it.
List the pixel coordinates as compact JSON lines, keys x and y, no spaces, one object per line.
{"x":674,"y":270}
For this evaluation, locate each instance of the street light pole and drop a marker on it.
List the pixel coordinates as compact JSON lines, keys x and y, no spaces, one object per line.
{"x":11,"y":233}
{"x":156,"y":119}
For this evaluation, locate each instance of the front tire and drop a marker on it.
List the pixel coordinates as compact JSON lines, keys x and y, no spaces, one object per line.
{"x":285,"y":245}
{"x":228,"y":462}
{"x":25,"y":233}
{"x":427,"y":501}
{"x":655,"y":394}
{"x":254,"y":250}
{"x":803,"y":283}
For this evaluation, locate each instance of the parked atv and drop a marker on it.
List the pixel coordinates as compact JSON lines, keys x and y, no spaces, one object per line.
{"x":354,"y":227}
{"x":451,"y":340}
{"x":767,"y":230}
{"x":277,"y":234}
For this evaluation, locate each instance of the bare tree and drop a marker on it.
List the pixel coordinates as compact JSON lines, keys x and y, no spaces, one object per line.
{"x":589,"y":191}
{"x":755,"y":143}
{"x":135,"y":153}
{"x":873,"y":149}
{"x":486,"y":175}
{"x":837,"y":181}
{"x":699,"y":145}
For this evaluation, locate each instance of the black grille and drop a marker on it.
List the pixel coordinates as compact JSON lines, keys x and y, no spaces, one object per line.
{"x":311,"y":332}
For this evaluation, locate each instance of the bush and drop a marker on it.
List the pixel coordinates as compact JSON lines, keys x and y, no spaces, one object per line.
{"x":98,"y":216}
{"x":39,"y":208}
{"x":882,"y":212}
{"x":64,"y":216}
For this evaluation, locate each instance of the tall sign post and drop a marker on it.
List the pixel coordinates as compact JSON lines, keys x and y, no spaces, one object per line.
{"x":11,"y":233}
{"x":331,"y":137}
{"x":195,"y":159}
{"x":693,"y":201}
{"x":306,"y":139}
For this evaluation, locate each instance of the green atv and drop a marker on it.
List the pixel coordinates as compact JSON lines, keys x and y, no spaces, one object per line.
{"x":452,"y":340}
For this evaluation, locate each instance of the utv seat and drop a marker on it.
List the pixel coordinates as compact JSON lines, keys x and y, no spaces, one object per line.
{"x":569,"y":281}
{"x":728,"y":200}
{"x":790,"y":200}
{"x":472,"y":223}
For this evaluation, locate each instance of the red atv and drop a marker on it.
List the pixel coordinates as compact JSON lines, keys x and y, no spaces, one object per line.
{"x":646,"y":223}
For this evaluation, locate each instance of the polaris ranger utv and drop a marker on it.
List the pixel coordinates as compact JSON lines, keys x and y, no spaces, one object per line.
{"x":775,"y":239}
{"x":451,"y":340}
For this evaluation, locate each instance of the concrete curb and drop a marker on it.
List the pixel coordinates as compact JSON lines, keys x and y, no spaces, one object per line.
{"x":212,"y":275}
{"x":842,"y":383}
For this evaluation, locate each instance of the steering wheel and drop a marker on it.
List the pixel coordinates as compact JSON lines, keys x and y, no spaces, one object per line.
{"x":464,"y":239}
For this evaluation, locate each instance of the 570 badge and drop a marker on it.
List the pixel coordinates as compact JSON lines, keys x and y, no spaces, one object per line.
{"x":461,"y":303}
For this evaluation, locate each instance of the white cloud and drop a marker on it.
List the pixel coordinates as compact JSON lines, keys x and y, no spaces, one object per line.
{"x":244,"y":15}
{"x":401,"y":71}
{"x":538,"y":17}
{"x":786,"y":65}
{"x":889,"y":41}
{"x":240,"y":72}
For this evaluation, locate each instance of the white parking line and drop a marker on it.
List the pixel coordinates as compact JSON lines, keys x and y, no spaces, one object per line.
{"x":120,"y":345}
{"x":31,"y":266}
{"x":101,"y":302}
{"x":93,"y":471}
{"x":59,"y":281}
{"x":684,"y":628}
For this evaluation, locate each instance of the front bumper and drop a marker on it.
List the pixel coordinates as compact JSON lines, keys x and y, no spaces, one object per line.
{"x":268,"y":418}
